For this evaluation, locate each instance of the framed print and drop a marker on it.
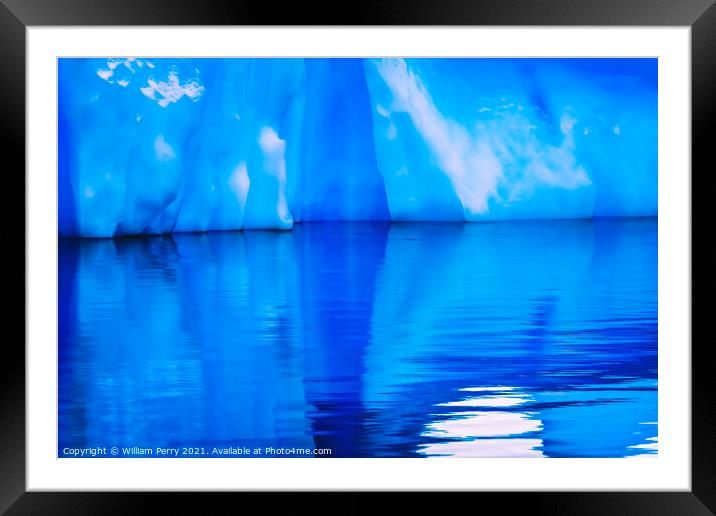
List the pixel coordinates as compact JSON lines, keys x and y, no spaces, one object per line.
{"x":443,"y":249}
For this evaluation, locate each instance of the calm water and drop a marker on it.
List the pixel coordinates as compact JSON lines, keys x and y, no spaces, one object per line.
{"x":526,"y":339}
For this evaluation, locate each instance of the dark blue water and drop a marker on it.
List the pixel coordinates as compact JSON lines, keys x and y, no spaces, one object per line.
{"x":525,"y":339}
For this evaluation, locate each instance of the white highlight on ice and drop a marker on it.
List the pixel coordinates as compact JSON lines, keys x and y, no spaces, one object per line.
{"x":274,"y":149}
{"x":240,"y":183}
{"x":172,"y":90}
{"x":105,"y":74}
{"x":162,"y":150}
{"x":470,"y":166}
{"x":164,"y":92}
{"x":474,"y":159}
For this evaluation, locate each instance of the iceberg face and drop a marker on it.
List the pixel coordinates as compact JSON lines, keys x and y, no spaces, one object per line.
{"x":170,"y":145}
{"x":515,"y":138}
{"x":125,"y":132}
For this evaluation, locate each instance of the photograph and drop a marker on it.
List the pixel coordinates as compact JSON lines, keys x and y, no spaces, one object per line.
{"x":445,"y":248}
{"x":357,"y":257}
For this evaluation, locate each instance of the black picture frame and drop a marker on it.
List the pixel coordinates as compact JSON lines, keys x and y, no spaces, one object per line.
{"x":17,"y":15}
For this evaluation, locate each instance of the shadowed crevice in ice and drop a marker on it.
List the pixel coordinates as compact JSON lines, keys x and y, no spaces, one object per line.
{"x":340,"y":179}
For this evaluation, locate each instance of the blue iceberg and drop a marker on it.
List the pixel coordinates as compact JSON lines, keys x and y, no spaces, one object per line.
{"x":150,"y":146}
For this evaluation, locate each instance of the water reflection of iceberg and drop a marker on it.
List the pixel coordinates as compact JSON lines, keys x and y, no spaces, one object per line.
{"x":370,"y":339}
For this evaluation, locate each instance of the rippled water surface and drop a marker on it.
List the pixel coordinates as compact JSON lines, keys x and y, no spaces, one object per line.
{"x":524,"y":339}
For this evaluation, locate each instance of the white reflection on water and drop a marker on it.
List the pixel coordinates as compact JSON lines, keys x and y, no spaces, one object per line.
{"x":486,"y":448}
{"x":484,"y":424}
{"x":650,"y":447}
{"x":489,"y":401}
{"x":485,"y":433}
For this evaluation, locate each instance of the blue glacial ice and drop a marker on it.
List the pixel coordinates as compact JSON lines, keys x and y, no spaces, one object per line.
{"x":162,"y":145}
